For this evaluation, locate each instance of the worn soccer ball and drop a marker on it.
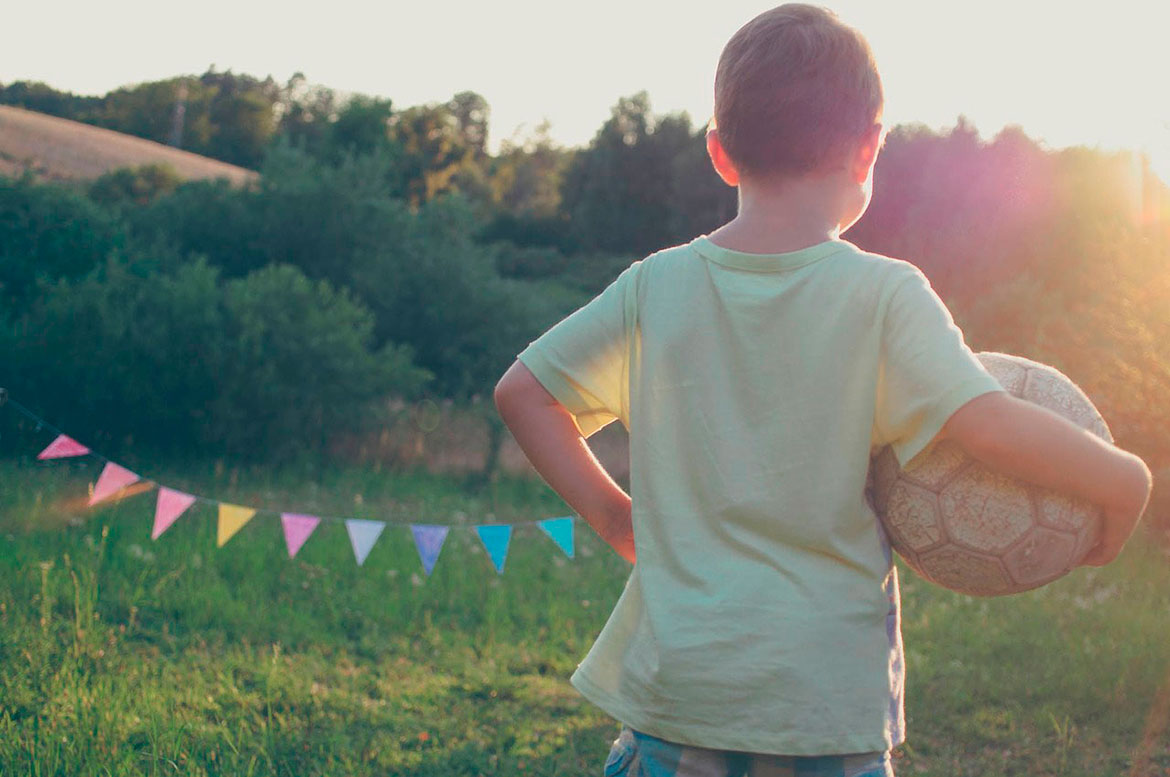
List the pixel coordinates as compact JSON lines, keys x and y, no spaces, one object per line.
{"x":973,"y":530}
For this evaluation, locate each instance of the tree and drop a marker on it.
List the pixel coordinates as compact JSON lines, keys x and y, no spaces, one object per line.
{"x":362,"y":126}
{"x":641,"y":185}
{"x":305,"y":114}
{"x":48,"y":233}
{"x":472,"y":113}
{"x":434,"y":148}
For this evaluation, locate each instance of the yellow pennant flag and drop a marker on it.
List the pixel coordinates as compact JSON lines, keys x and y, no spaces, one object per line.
{"x":231,"y":519}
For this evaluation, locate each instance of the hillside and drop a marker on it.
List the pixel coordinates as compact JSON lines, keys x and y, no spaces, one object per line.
{"x":60,"y":149}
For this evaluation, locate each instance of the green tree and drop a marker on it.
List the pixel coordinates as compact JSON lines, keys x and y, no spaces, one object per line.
{"x":50,"y":232}
{"x":362,"y":126}
{"x":433,"y":147}
{"x":134,"y":185}
{"x":640,"y":186}
{"x":261,"y":367}
{"x":40,"y":97}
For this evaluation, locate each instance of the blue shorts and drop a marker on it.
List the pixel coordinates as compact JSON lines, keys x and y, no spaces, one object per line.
{"x":635,"y":754}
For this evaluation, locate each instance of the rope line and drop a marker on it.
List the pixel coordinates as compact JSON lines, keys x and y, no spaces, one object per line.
{"x":8,"y":401}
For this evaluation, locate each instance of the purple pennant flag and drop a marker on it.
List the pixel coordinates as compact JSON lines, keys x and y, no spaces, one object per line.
{"x":429,"y":541}
{"x":112,"y":480}
{"x":495,"y":539}
{"x":297,"y":529}
{"x":63,"y":447}
{"x":362,"y":536}
{"x":560,"y":531}
{"x":170,"y":506}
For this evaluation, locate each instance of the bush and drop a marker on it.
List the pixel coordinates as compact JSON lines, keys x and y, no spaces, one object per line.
{"x":134,"y":185}
{"x":49,"y":233}
{"x":257,"y":367}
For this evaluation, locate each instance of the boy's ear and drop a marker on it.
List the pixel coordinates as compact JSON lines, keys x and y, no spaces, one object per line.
{"x":719,"y":159}
{"x":866,"y":153}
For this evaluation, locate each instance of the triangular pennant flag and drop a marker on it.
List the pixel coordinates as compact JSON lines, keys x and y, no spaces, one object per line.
{"x":170,"y":506}
{"x":63,"y":447}
{"x":112,"y":480}
{"x":297,"y":529}
{"x":495,"y":539}
{"x":429,"y":541}
{"x":560,"y":531}
{"x":362,"y":536}
{"x":231,"y":519}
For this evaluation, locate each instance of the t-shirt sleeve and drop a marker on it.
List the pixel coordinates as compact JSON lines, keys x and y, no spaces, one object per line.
{"x":583,"y":360}
{"x":926,"y":371}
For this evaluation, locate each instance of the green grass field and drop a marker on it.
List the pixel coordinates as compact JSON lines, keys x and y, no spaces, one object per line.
{"x":119,"y":655}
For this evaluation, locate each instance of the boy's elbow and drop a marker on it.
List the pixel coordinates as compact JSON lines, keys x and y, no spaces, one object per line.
{"x":518,"y":386}
{"x":503,"y":393}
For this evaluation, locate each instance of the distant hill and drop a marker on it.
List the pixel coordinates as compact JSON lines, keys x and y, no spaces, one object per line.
{"x":60,"y":149}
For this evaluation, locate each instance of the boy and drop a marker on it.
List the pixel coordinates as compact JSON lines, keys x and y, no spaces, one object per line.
{"x":756,"y":368}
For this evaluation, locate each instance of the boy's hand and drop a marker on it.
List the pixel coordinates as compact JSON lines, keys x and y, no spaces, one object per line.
{"x":1121,"y":520}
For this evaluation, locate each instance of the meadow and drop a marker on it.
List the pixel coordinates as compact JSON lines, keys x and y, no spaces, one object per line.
{"x":59,"y":149}
{"x":119,"y":655}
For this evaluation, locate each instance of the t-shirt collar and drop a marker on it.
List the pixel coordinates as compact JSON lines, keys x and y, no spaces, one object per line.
{"x":768,"y":262}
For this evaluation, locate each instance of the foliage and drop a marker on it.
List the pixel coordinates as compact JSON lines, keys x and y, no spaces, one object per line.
{"x":49,"y":232}
{"x":463,"y":255}
{"x":134,"y":185}
{"x":255,"y":366}
{"x":441,"y":292}
{"x":637,"y":187}
{"x":40,"y":97}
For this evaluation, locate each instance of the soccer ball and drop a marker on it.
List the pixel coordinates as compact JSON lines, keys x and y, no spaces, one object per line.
{"x":974,"y":530}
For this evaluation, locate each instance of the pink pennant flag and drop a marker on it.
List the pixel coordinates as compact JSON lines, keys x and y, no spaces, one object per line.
{"x":297,"y":529}
{"x":171,"y":504}
{"x":62,"y":448}
{"x":112,"y":480}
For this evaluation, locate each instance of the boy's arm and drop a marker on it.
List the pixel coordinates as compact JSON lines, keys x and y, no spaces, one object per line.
{"x":1034,"y":444}
{"x":548,"y":435}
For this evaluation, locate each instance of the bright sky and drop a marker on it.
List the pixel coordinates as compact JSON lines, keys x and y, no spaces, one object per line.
{"x":1068,"y":73}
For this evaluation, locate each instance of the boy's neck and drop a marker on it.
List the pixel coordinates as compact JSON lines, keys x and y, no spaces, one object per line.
{"x":784,"y":217}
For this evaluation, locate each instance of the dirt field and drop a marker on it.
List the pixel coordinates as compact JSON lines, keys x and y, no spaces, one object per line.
{"x":59,"y":149}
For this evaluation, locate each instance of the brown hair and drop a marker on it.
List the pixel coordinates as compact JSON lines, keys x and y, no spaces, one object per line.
{"x":794,"y":88}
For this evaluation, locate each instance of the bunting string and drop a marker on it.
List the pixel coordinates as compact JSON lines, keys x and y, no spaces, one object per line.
{"x":171,"y":504}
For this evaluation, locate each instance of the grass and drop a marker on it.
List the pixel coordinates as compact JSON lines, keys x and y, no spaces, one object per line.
{"x":119,"y":655}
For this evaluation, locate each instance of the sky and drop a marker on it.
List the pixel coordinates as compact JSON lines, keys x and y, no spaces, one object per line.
{"x":1068,"y":73}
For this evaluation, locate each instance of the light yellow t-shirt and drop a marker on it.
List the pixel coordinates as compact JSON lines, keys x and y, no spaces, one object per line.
{"x":762,"y":614}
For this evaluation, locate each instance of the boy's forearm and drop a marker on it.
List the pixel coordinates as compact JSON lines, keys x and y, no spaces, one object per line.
{"x":550,"y":439}
{"x":1038,"y":446}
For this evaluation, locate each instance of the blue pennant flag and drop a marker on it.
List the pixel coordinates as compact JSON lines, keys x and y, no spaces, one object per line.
{"x":362,"y":536}
{"x":560,"y":531}
{"x":495,"y":539}
{"x":429,"y":541}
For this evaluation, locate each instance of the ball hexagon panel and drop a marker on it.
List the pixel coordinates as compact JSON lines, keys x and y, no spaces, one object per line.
{"x":937,"y":469}
{"x":912,"y":517}
{"x":1043,"y":555}
{"x":963,"y":570}
{"x":986,"y":511}
{"x":1056,"y":510}
{"x":1089,"y":534}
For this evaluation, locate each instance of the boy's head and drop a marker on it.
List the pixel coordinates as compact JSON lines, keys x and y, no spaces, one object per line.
{"x":795,"y":91}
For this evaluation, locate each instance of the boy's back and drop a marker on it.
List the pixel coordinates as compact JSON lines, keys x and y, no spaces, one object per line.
{"x":762,"y":613}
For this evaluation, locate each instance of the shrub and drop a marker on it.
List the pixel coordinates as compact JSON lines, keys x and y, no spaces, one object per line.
{"x":258,"y":367}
